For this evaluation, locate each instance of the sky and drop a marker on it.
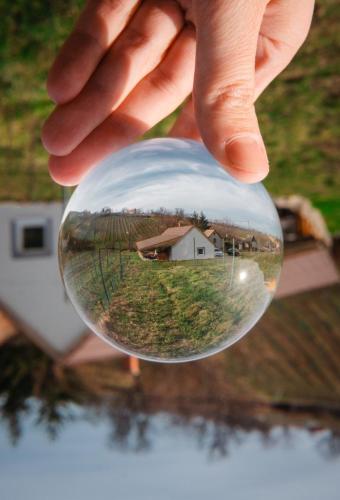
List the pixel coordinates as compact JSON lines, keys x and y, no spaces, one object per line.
{"x":173,"y":173}
{"x":80,"y":464}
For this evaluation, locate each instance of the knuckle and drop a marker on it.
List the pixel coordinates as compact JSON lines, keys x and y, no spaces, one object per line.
{"x":134,"y":39}
{"x":123,"y":127}
{"x":88,"y":38}
{"x":170,"y":8}
{"x":97,"y":88}
{"x":163,"y":80}
{"x":238,"y":95}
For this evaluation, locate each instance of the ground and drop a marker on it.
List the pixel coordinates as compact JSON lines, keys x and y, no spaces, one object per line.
{"x":169,"y":309}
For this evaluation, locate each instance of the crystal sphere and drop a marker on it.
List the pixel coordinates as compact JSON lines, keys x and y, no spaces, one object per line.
{"x":166,"y":256}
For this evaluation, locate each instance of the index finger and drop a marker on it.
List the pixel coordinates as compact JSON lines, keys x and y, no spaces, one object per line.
{"x":98,"y":26}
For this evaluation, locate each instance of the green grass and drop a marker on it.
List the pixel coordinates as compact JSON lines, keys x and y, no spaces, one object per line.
{"x":168,"y":309}
{"x":298,"y":113}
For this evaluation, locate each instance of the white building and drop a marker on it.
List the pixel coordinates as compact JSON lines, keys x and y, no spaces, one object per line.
{"x":178,"y":243}
{"x":31,"y":290}
{"x":215,"y":238}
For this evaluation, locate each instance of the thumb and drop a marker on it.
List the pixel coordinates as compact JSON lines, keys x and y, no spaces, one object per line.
{"x":227,"y":34}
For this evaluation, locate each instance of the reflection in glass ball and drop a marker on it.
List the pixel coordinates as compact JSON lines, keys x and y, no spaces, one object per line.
{"x":166,"y":256}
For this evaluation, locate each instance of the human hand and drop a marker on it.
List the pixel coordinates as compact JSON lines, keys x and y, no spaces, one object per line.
{"x":128,"y":64}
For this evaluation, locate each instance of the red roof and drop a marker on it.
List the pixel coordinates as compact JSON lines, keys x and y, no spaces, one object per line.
{"x":167,"y":239}
{"x":209,"y":232}
{"x":307,"y":270}
{"x":91,"y":349}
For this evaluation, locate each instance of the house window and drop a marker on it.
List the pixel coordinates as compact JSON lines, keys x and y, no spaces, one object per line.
{"x":31,"y":237}
{"x":200,"y":250}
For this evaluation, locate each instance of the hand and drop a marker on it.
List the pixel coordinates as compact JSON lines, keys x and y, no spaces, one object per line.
{"x":128,"y":64}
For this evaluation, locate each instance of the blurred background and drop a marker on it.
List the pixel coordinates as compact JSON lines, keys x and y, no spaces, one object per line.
{"x":78,"y":419}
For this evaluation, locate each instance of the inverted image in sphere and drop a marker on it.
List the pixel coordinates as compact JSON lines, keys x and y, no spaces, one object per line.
{"x":165,"y":255}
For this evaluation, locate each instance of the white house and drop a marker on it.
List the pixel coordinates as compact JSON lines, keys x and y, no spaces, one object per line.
{"x":31,"y":291}
{"x":215,"y":238}
{"x":178,"y":243}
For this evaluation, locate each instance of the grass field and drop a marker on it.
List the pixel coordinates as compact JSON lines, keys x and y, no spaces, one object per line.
{"x":169,"y":309}
{"x":298,"y":113}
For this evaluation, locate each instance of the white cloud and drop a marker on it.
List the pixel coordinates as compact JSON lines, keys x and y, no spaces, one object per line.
{"x":173,"y":173}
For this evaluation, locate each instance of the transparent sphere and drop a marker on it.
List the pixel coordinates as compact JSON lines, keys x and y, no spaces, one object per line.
{"x":167,"y":257}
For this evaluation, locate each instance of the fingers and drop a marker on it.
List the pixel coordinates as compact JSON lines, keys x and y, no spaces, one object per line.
{"x":227,"y":34}
{"x":98,"y":26}
{"x":167,"y":85}
{"x":138,"y":50}
{"x":185,"y":126}
{"x":284,"y":28}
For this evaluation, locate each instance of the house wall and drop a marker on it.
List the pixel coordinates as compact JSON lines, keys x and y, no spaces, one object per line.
{"x":219,"y":241}
{"x":186,"y":247}
{"x":254,"y":244}
{"x":309,"y":218}
{"x":31,"y":286}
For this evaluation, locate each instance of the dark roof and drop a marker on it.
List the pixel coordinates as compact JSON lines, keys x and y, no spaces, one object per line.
{"x":294,"y":349}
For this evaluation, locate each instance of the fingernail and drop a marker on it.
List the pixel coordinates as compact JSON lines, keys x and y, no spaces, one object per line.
{"x":247,"y":153}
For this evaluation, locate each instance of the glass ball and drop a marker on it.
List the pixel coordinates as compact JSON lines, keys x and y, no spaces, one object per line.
{"x":166,"y":256}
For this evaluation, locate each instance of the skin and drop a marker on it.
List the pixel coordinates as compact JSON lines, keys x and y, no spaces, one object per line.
{"x":130,"y":63}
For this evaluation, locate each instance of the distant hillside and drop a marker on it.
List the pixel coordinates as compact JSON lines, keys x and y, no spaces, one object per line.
{"x":107,"y":227}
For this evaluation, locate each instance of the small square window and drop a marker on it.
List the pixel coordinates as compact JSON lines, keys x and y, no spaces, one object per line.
{"x":200,"y":250}
{"x":31,"y":237}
